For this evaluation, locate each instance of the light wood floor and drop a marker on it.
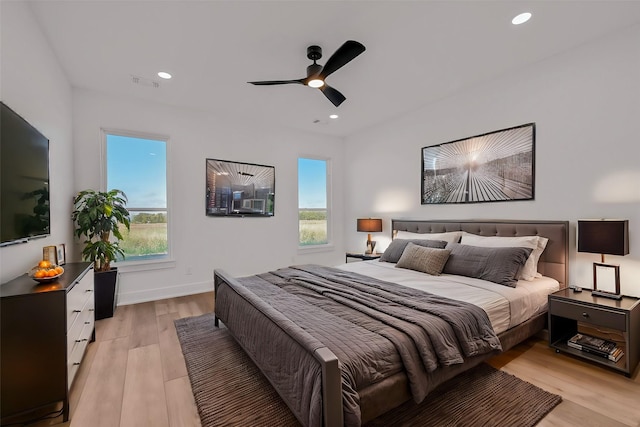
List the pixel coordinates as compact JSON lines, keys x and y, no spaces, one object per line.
{"x":134,"y":375}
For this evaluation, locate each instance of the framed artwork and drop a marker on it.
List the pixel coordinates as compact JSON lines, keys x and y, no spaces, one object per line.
{"x":239,"y":189}
{"x":61,"y":254}
{"x":492,"y":167}
{"x":50,"y":253}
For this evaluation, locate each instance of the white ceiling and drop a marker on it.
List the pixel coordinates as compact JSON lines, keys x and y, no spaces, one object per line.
{"x":417,"y":51}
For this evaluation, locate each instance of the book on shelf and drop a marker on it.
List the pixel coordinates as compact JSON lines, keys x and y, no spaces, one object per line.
{"x":616,"y":355}
{"x":597,"y":346}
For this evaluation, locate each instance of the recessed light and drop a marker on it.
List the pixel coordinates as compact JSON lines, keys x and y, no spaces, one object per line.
{"x":521,"y":19}
{"x":333,"y":116}
{"x":164,"y":75}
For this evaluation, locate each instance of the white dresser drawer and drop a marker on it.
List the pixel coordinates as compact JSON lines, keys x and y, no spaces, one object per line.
{"x":85,"y":317}
{"x":75,"y":357}
{"x":78,"y":296}
{"x":80,"y":322}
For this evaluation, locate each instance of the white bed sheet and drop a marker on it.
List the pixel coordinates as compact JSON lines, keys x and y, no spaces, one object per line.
{"x":505,"y":306}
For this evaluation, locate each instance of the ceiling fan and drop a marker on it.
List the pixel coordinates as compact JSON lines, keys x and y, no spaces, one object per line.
{"x":316,"y":73}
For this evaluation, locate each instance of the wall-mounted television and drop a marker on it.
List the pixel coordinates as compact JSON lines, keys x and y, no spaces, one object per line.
{"x":239,"y":189}
{"x":24,"y":180}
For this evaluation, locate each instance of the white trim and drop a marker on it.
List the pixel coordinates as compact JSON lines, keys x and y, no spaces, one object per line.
{"x":169,"y":178}
{"x":145,"y":265}
{"x":164,"y":293}
{"x":307,"y":249}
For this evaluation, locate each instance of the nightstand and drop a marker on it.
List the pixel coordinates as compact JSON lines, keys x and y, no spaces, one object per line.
{"x":571,"y":312}
{"x":364,"y":257}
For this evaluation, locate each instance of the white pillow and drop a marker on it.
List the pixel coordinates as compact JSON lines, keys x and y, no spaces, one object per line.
{"x":537,"y":243}
{"x":449,"y":236}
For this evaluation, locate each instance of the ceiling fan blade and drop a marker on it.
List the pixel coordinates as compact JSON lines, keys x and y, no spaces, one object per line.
{"x":333,"y":95}
{"x":345,"y":53}
{"x":277,"y":82}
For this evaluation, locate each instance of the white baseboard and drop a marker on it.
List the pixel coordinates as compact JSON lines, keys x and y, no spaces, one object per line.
{"x":163,"y":293}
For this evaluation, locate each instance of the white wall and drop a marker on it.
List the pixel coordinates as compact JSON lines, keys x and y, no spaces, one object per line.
{"x":241,"y":246}
{"x":33,"y":84}
{"x":586,"y":105}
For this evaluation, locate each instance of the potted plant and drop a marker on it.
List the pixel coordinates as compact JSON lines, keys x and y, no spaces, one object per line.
{"x":97,"y":216}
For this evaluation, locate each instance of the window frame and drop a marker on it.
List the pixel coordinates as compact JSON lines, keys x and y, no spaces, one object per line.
{"x":158,"y":261}
{"x":323,"y":247}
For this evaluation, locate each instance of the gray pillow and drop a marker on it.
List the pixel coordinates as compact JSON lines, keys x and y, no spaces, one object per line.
{"x":424,"y":259}
{"x":395,"y":249}
{"x":498,"y":265}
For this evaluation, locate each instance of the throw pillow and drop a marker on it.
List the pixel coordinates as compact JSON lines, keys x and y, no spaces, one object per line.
{"x":424,"y":259}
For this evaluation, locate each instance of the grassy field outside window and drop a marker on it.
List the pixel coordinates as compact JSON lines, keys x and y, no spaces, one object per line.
{"x":313,"y":227}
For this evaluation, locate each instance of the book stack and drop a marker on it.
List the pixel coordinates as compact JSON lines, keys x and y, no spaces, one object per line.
{"x":597,"y":346}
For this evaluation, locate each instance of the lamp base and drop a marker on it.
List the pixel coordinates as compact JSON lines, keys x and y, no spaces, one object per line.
{"x":606,"y":295}
{"x":371,"y":244}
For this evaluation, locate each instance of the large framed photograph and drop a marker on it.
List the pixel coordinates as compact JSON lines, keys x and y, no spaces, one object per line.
{"x":492,"y":167}
{"x":239,"y":189}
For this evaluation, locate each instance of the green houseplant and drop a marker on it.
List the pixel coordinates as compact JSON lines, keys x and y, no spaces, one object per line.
{"x":97,"y":216}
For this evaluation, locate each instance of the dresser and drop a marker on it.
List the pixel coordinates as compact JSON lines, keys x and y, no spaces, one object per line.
{"x":45,"y":330}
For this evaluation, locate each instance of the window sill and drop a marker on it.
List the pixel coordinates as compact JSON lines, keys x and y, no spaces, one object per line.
{"x":145,"y":265}
{"x":316,"y":248}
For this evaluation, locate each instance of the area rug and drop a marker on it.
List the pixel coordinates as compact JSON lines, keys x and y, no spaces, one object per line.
{"x":229,"y":390}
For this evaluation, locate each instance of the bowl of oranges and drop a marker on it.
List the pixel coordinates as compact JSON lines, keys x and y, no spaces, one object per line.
{"x":46,"y":271}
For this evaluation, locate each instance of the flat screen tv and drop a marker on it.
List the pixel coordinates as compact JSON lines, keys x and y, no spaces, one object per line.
{"x":24,"y":180}
{"x":239,"y":189}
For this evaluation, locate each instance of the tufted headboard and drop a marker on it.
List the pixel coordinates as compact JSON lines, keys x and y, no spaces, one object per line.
{"x":554,"y":261}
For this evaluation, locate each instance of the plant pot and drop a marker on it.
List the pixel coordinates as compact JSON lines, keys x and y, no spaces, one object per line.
{"x":106,"y":291}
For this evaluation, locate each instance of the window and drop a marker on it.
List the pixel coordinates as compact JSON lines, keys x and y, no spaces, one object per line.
{"x":137,"y":165}
{"x":313,"y":209}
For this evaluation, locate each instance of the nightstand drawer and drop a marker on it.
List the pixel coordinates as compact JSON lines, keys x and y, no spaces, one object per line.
{"x":598,"y":316}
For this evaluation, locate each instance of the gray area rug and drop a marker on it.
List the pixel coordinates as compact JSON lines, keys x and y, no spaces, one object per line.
{"x":229,"y":390}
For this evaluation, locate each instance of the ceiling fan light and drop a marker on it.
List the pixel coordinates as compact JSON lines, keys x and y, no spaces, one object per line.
{"x":315,"y":83}
{"x":521,"y":19}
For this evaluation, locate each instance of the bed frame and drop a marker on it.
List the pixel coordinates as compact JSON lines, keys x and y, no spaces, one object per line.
{"x":553,"y":263}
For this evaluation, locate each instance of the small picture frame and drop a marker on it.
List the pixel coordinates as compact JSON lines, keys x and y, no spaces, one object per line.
{"x":606,"y":280}
{"x":50,"y":253}
{"x":61,"y":255}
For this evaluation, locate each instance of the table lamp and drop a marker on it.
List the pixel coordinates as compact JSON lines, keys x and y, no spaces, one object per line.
{"x":605,"y":236}
{"x":370,"y":225}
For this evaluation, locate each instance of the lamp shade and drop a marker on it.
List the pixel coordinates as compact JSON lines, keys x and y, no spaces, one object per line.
{"x":610,"y":237}
{"x":370,"y":225}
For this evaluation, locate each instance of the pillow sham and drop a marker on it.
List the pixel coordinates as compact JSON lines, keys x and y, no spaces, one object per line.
{"x":536,"y":243}
{"x":397,"y":246}
{"x":424,"y":259}
{"x":449,"y":236}
{"x":498,"y":265}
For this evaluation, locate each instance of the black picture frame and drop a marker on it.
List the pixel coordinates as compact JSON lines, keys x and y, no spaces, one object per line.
{"x":492,"y":167}
{"x":239,"y":189}
{"x":608,"y":275}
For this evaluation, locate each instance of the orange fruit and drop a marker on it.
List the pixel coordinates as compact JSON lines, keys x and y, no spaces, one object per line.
{"x":51,"y":273}
{"x":59,"y":270}
{"x":39,"y":274}
{"x":44,"y":264}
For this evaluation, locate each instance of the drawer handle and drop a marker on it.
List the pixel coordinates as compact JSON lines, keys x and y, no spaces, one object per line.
{"x":77,"y":311}
{"x":87,"y":323}
{"x":89,"y":290}
{"x":76,"y":363}
{"x":84,"y":339}
{"x":585,"y":315}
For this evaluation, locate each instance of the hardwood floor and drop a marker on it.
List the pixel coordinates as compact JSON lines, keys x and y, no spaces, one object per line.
{"x":134,"y":375}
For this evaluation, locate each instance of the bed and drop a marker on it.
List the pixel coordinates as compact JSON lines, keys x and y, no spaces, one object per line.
{"x":336,"y":369}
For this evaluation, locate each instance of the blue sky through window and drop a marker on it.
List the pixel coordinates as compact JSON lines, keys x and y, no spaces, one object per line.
{"x":312,"y":183}
{"x":139,"y":168}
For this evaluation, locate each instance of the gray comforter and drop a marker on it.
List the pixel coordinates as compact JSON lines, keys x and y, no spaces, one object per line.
{"x":375,"y":328}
